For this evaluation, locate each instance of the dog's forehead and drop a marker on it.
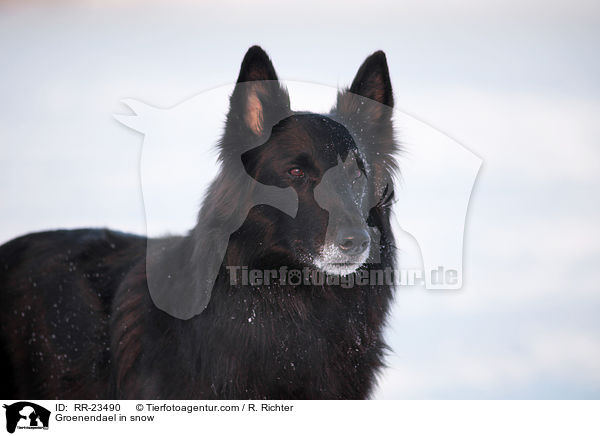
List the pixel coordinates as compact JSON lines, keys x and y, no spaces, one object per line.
{"x":319,"y":131}
{"x":314,"y":127}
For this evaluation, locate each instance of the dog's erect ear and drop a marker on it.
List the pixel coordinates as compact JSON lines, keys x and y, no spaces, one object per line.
{"x":256,"y":66}
{"x":259,"y":100}
{"x":366,"y":110}
{"x":373,"y":80}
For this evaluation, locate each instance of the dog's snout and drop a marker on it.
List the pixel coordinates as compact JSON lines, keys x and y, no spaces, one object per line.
{"x":353,"y":241}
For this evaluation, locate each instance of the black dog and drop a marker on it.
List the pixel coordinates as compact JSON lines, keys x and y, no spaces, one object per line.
{"x":78,"y":320}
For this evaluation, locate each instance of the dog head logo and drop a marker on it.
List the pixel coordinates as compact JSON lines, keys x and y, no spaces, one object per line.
{"x":26,"y":415}
{"x":272,"y":152}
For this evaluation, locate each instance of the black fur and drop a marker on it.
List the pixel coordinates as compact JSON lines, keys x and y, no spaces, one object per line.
{"x":78,"y":321}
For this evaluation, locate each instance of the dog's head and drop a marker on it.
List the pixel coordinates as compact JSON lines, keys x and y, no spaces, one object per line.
{"x":339,"y":164}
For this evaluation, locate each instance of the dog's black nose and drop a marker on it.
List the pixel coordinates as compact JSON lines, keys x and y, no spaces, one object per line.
{"x":353,"y":241}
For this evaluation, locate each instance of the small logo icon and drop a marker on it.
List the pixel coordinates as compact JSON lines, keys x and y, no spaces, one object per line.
{"x":26,"y":415}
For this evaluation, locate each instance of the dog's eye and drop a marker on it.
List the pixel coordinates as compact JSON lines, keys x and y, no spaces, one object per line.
{"x":296,"y":172}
